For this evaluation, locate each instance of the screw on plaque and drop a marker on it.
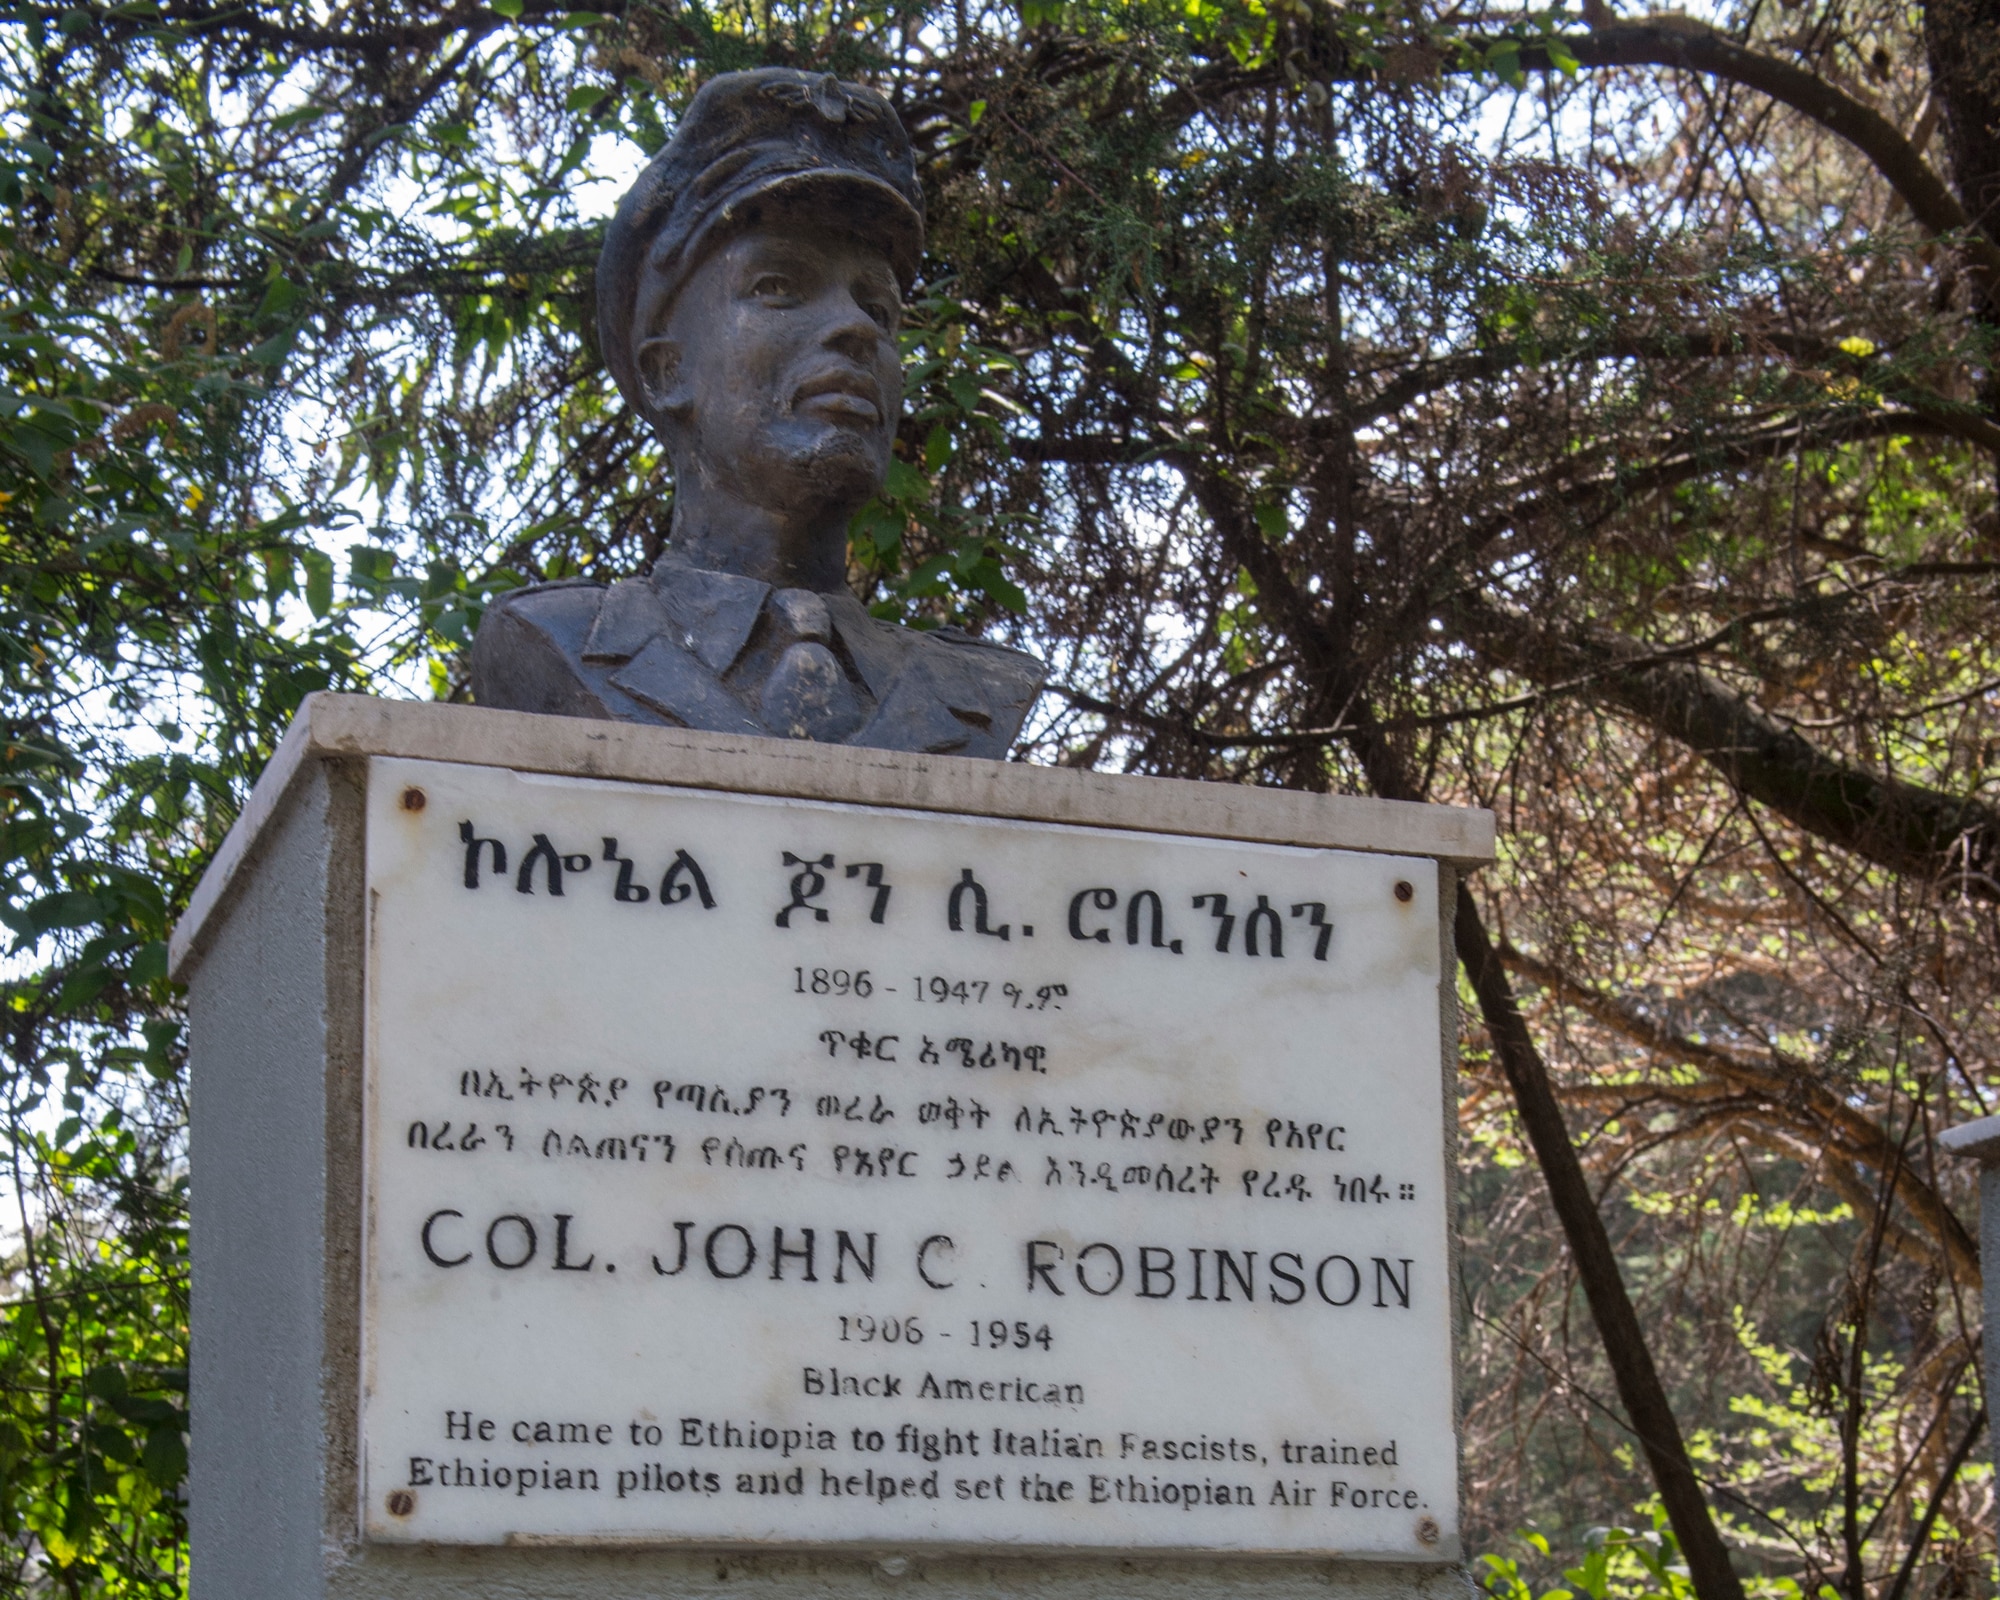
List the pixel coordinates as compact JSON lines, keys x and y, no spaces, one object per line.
{"x":401,"y":1502}
{"x":1405,"y":890}
{"x":414,"y":799}
{"x":1427,"y":1530}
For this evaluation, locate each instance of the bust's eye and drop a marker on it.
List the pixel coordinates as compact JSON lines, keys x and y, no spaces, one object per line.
{"x":772,"y":286}
{"x":884,"y":313}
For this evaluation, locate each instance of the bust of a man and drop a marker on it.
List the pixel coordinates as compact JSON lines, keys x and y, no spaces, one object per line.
{"x":748,"y":298}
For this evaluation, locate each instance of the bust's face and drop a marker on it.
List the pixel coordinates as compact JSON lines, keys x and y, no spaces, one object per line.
{"x":781,"y":382}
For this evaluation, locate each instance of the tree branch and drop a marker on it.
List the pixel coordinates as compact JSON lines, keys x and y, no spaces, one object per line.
{"x":1685,"y":45}
{"x":1922,"y":833}
{"x":1922,"y":1535}
{"x":1786,"y":1082}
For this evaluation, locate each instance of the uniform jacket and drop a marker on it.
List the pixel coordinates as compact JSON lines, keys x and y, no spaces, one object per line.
{"x":701,"y":649}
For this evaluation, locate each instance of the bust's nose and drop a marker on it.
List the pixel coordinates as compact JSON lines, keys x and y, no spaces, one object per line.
{"x":849,"y":329}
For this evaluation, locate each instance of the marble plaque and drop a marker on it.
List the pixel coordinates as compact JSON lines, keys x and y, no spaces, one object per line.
{"x":743,"y":1170}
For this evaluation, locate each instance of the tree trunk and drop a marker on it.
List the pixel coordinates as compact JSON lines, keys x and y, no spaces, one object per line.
{"x":1625,"y":1347}
{"x":1962,"y":38}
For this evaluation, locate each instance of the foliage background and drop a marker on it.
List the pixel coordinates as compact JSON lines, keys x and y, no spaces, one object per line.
{"x":1593,"y":417}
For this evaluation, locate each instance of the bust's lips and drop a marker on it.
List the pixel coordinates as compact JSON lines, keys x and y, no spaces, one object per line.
{"x":844,"y":394}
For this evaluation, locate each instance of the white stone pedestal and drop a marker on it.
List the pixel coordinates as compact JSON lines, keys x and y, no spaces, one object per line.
{"x":1981,"y":1142}
{"x":617,"y":1150}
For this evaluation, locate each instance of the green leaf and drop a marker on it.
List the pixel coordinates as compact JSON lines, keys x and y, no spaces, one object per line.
{"x":272,"y":352}
{"x":160,"y":1039}
{"x":106,"y":1381}
{"x":1003,"y":589}
{"x":510,"y":9}
{"x":370,"y":569}
{"x":34,"y":446}
{"x":149,"y":963}
{"x":280,"y":295}
{"x":165,"y":1456}
{"x":586,"y":97}
{"x":319,"y":582}
{"x":905,"y":482}
{"x":114,"y":1444}
{"x":298,"y":118}
{"x":965,"y":390}
{"x":71,"y":909}
{"x":938,"y":448}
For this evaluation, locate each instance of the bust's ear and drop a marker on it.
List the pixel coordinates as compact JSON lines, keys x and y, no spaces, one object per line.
{"x":659,"y":366}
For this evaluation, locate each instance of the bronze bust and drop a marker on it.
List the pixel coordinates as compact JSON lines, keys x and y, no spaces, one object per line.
{"x":748,"y":297}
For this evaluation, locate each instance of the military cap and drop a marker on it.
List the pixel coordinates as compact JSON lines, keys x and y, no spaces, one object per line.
{"x":748,"y":139}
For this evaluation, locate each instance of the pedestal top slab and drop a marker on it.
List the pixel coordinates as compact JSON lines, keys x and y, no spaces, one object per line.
{"x":359,"y":726}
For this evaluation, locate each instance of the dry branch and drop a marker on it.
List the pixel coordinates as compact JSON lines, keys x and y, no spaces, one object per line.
{"x":1951,"y":841}
{"x":1785,"y":1082}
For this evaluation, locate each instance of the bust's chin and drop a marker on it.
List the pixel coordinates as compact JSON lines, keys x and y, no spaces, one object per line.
{"x":833,"y":472}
